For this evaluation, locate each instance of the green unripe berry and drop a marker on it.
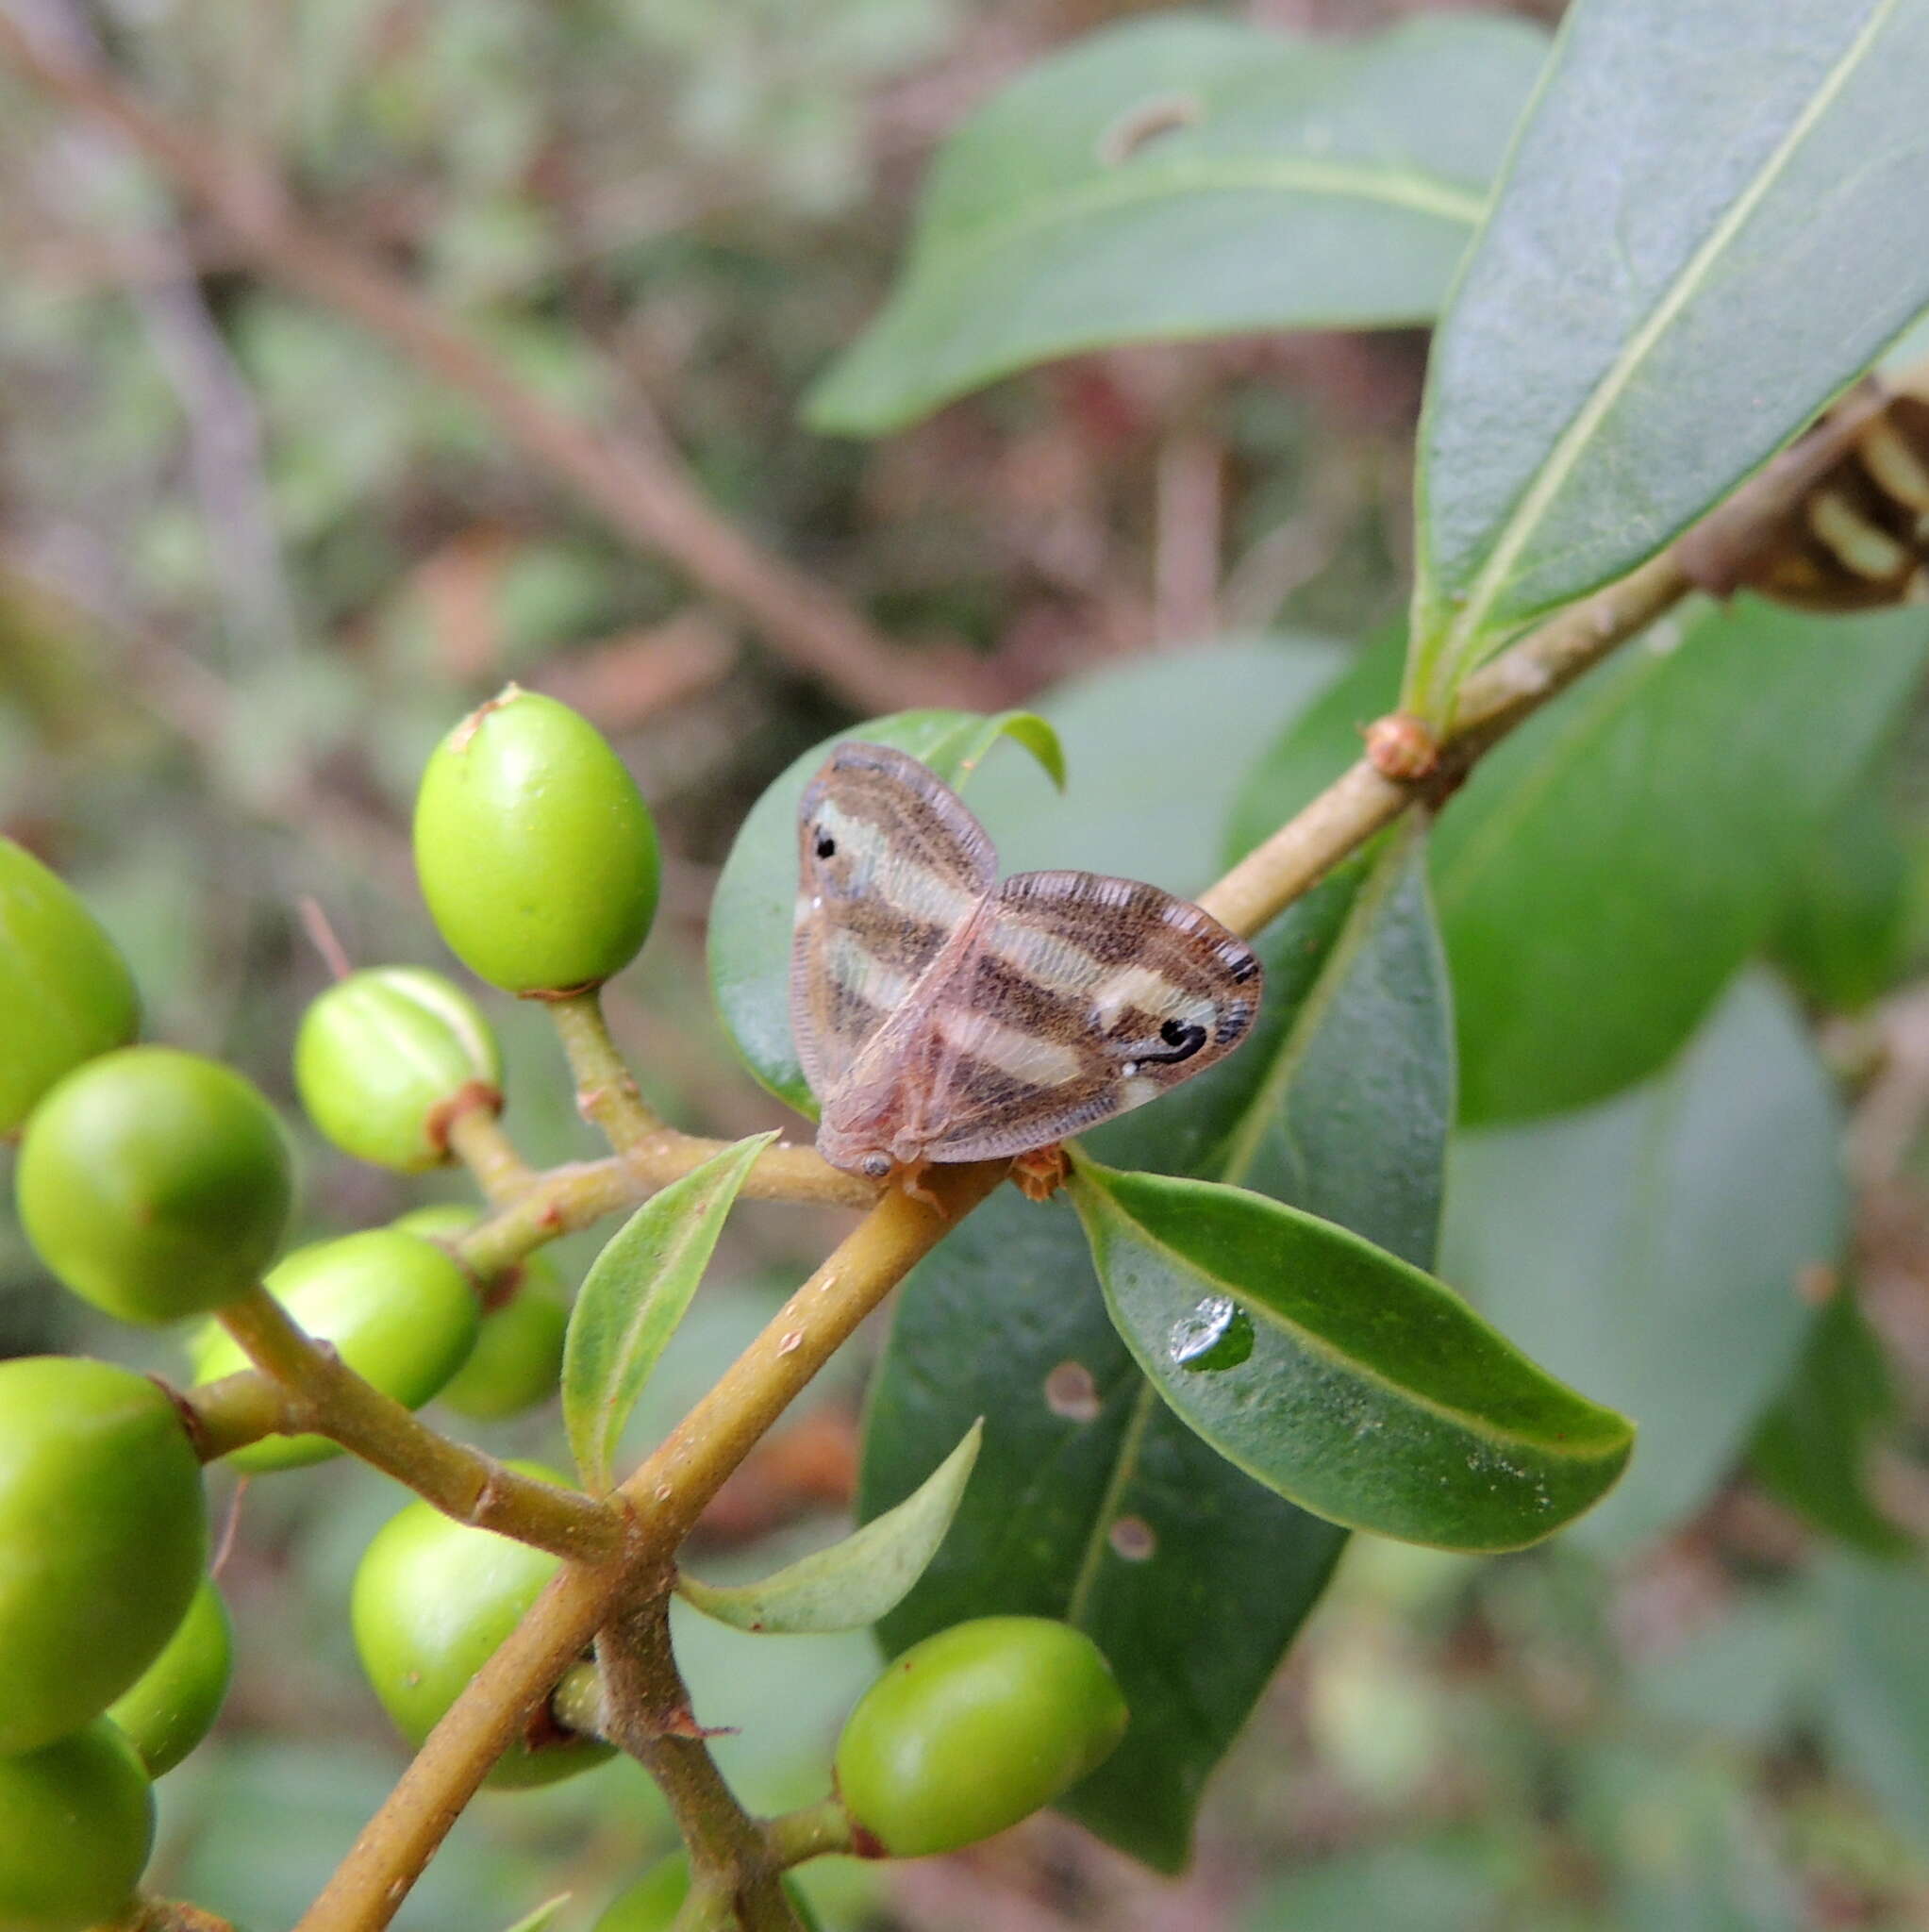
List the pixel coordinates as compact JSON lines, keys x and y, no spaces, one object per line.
{"x":103,"y":1539}
{"x":173,"y":1703}
{"x":398,"y":1309}
{"x":383,"y":1057}
{"x":65,"y":992}
{"x":155,"y":1184}
{"x":652,"y":1904}
{"x":77,"y":1824}
{"x":536,"y":852}
{"x":517,"y":1361}
{"x":974,"y":1730}
{"x":433,"y":1601}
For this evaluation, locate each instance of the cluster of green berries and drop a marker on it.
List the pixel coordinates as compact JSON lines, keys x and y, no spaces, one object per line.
{"x":158,"y":1186}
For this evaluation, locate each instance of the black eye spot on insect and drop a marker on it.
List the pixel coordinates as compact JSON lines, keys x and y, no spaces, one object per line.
{"x":1183,"y":1040}
{"x":827,"y":845}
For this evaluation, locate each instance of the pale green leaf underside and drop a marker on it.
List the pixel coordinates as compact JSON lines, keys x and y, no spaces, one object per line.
{"x":1189,"y":176}
{"x":858,"y":1580}
{"x":1714,"y":219}
{"x":634,"y":1297}
{"x":1366,"y":1392}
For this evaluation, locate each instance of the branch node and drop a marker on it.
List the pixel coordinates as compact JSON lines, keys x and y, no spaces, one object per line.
{"x":1401,"y":747}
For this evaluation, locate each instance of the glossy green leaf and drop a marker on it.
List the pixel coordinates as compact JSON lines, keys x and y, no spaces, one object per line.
{"x":634,"y":1297}
{"x":1654,"y":1246}
{"x":1612,"y":863}
{"x":1188,"y":177}
{"x":1705,"y":230}
{"x":1094,"y":1502}
{"x":858,"y":1580}
{"x":752,"y":912}
{"x":1843,"y":935}
{"x":1335,"y":1374}
{"x":1811,"y":1447}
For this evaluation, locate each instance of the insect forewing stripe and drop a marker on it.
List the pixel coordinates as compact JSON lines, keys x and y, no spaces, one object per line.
{"x":861,"y":972}
{"x":913,"y":888}
{"x":1025,"y":1056}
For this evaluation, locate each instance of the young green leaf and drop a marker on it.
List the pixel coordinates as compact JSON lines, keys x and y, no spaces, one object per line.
{"x":753,"y":912}
{"x":538,"y":1920}
{"x":634,"y":1296}
{"x":1337,"y":1374}
{"x":858,"y":1580}
{"x":1810,"y":1448}
{"x":1657,"y":1245}
{"x":1189,"y":1577}
{"x":1705,"y":231}
{"x":1190,"y":177}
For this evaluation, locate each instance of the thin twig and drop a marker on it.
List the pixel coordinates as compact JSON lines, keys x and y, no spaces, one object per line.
{"x":650,"y":1717}
{"x":326,"y":1395}
{"x":476,"y":1139}
{"x":643,"y":489}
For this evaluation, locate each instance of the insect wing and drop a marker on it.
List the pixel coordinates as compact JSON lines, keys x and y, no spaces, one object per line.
{"x":1087,"y":996}
{"x":891,"y":864}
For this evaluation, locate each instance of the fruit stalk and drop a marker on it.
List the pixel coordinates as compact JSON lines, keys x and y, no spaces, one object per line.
{"x":607,"y":1092}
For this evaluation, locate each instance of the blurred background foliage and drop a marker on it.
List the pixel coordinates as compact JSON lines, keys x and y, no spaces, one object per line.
{"x":253,"y":559}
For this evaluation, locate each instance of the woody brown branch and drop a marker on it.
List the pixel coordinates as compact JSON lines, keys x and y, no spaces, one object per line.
{"x":645,"y":491}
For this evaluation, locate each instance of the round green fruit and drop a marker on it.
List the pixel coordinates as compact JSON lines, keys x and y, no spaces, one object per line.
{"x":76,"y":1823}
{"x":173,"y":1703}
{"x":398,"y":1309}
{"x":103,"y":1539}
{"x":536,"y":852}
{"x":65,"y":994}
{"x":383,"y":1057}
{"x":433,"y":1600}
{"x":155,"y":1184}
{"x":517,"y":1361}
{"x":974,"y":1730}
{"x":652,"y":1904}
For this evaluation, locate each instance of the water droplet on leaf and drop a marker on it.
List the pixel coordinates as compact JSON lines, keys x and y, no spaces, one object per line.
{"x":1218,"y":1334}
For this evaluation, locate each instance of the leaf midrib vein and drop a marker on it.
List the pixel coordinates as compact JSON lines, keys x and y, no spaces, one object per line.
{"x":1572,"y":441}
{"x":1318,"y":1345}
{"x":1288,"y":174}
